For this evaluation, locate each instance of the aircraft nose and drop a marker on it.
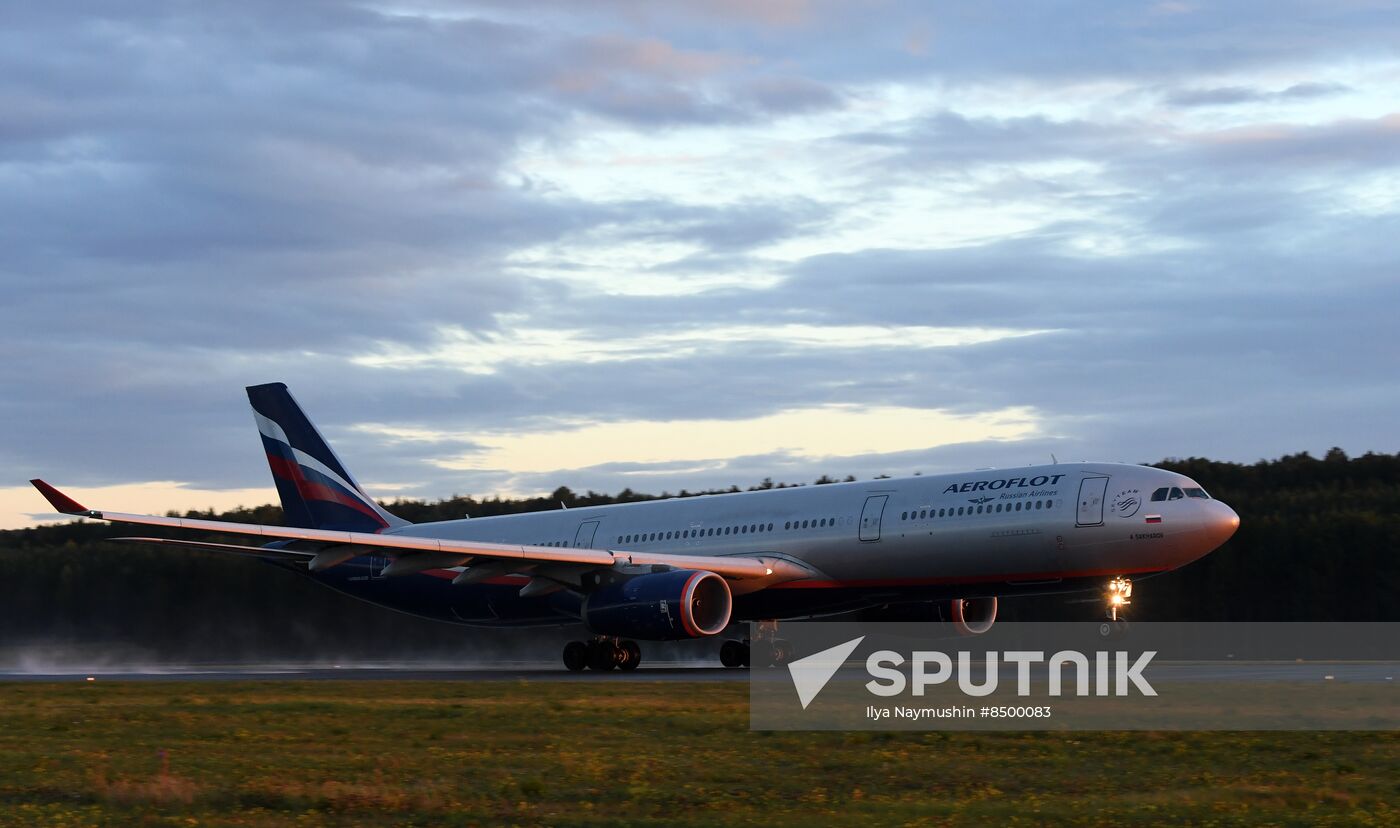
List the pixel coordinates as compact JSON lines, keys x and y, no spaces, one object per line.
{"x":1222,"y":522}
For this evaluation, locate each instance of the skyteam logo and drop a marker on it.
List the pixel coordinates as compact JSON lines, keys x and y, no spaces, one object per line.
{"x":976,"y":675}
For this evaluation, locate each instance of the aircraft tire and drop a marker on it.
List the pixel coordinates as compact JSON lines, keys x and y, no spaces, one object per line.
{"x":575,"y":656}
{"x":603,"y":655}
{"x":631,"y":656}
{"x":731,"y":654}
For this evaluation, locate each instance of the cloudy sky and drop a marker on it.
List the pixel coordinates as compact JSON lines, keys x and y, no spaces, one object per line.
{"x":499,"y":247}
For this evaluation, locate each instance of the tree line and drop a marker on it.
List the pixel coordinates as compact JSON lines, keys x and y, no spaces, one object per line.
{"x":1316,"y":543}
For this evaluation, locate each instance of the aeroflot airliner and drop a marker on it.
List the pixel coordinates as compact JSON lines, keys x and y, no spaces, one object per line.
{"x":936,"y":547}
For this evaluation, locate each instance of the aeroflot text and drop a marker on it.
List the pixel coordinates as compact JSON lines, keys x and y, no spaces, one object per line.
{"x":1004,"y":483}
{"x":929,"y":668}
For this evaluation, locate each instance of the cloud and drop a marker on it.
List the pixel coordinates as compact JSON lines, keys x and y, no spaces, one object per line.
{"x":1231,"y":95}
{"x":1163,"y":230}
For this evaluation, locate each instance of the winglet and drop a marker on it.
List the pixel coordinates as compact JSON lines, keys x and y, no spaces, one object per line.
{"x":59,"y":500}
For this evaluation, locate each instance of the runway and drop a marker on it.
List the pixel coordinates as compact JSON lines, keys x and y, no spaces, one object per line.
{"x":533,"y":672}
{"x":1224,"y":672}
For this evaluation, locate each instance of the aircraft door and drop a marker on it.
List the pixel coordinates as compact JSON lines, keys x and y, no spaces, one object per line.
{"x":870,"y":517}
{"x":583,"y":538}
{"x":1091,"y":495}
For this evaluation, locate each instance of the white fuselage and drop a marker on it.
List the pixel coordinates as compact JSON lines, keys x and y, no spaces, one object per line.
{"x":1039,"y":524}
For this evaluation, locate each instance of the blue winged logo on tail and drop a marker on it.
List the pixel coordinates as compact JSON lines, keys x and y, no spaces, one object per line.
{"x":316,"y":489}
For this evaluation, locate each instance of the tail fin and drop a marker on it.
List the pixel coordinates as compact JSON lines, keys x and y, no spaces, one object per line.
{"x":317,"y":491}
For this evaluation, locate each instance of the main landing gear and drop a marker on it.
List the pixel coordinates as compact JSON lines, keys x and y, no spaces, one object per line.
{"x":602,"y":654}
{"x":767,"y":648}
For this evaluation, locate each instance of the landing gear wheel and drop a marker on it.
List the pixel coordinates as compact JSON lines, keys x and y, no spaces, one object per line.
{"x":1119,"y":596}
{"x":604,"y":655}
{"x":631,"y":656}
{"x":575,"y":656}
{"x":733,"y":654}
{"x":1110,"y":629}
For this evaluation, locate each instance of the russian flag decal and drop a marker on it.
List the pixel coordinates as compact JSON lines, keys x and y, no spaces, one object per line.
{"x":1154,"y":518}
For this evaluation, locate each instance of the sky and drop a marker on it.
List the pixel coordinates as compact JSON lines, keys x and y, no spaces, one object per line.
{"x":499,"y":247}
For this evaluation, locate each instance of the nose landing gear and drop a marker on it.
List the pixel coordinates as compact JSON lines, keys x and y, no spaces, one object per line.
{"x":1120,"y":593}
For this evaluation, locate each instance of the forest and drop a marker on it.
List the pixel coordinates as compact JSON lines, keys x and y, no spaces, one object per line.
{"x":1316,"y":543}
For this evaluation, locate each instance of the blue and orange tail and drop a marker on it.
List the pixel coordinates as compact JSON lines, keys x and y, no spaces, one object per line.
{"x":317,"y":491}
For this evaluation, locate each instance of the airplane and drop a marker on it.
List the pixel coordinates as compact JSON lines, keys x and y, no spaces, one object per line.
{"x":937,"y":547}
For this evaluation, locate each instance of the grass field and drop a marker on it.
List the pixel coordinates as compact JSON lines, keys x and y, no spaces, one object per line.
{"x":442,"y":753}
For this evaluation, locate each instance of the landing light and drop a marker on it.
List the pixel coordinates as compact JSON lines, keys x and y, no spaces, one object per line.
{"x":1120,"y":591}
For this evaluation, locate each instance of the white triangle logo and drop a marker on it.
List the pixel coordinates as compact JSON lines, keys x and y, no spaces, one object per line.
{"x":810,"y":674}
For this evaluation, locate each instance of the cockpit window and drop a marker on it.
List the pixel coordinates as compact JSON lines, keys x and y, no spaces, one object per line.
{"x":1197,"y":492}
{"x":1160,"y":494}
{"x":1176,"y":494}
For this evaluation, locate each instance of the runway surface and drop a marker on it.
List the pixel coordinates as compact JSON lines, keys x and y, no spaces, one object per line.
{"x":663,"y":672}
{"x":268,"y":672}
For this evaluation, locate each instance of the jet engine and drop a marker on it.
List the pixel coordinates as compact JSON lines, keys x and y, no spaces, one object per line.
{"x":660,"y":606}
{"x":972,"y":616}
{"x":960,"y":616}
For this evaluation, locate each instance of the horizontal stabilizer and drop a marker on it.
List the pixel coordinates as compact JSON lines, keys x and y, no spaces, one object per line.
{"x":237,"y":549}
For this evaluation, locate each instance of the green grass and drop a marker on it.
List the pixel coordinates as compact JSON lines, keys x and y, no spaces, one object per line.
{"x":445,"y":753}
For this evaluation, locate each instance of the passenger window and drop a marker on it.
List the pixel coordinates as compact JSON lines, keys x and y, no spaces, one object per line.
{"x":1175,"y":494}
{"x":903,"y":515}
{"x":1160,"y":494}
{"x":787,"y":525}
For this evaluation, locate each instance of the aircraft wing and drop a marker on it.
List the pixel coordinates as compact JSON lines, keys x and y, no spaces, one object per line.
{"x":239,"y":549}
{"x":768,"y":569}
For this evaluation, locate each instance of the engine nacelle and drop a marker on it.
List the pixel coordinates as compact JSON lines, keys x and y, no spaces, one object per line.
{"x":660,"y":606}
{"x":972,"y":616}
{"x":960,"y":616}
